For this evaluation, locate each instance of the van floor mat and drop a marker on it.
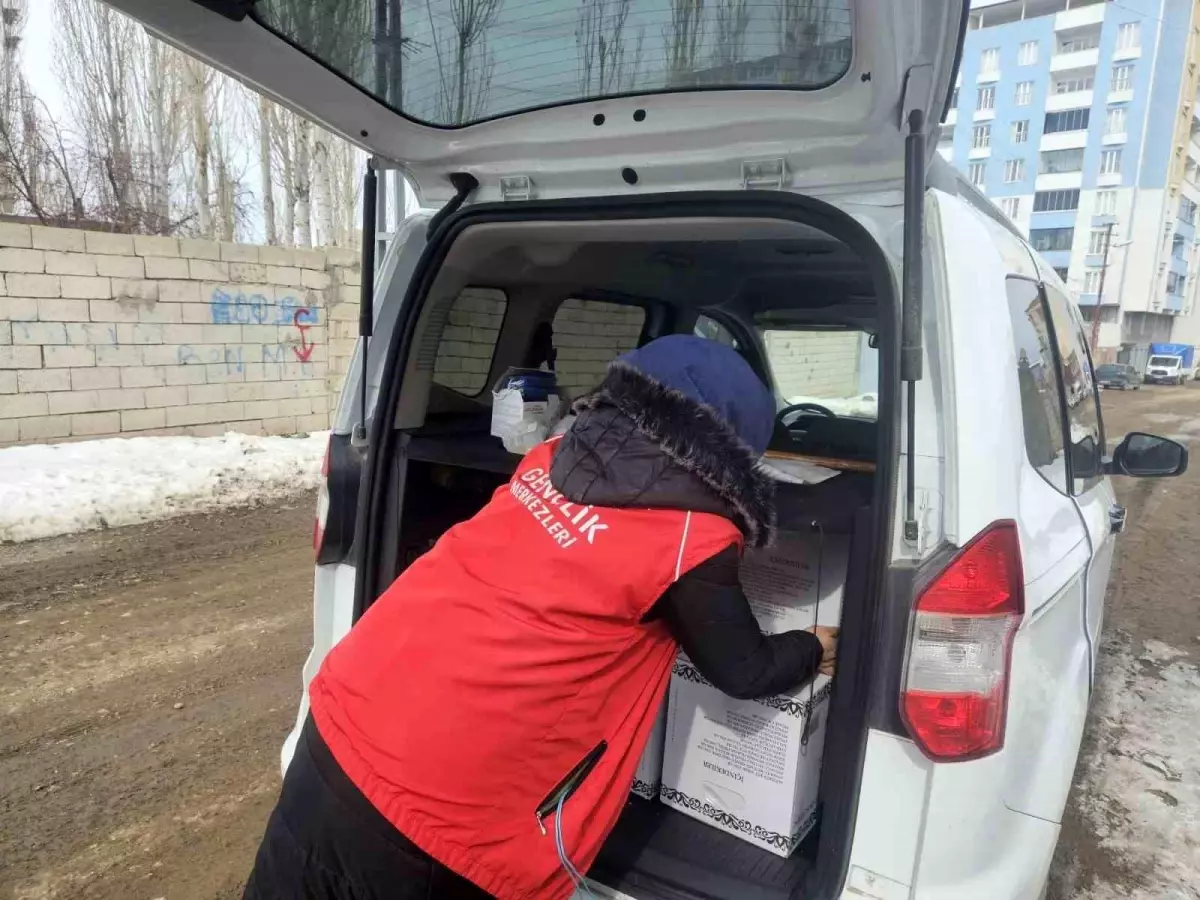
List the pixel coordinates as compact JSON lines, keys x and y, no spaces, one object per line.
{"x":657,"y":853}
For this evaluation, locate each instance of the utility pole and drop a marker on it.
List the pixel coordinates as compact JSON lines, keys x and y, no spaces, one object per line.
{"x":1108,"y":230}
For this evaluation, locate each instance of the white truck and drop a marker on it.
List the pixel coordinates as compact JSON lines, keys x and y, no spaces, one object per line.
{"x":1171,"y":364}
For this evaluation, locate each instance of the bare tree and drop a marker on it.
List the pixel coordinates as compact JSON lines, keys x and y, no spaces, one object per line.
{"x":266,"y":170}
{"x":729,"y":38}
{"x":302,"y":182}
{"x":199,"y":77}
{"x":464,"y":64}
{"x":93,"y":54}
{"x":600,"y":42}
{"x":40,"y":170}
{"x":12,"y":89}
{"x":803,"y":25}
{"x":683,"y":39}
{"x":158,"y":107}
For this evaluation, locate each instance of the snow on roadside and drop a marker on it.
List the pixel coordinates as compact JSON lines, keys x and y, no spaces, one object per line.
{"x":48,"y":490}
{"x":1141,"y":791}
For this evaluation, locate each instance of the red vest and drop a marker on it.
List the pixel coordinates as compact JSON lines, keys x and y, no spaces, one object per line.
{"x":496,"y":662}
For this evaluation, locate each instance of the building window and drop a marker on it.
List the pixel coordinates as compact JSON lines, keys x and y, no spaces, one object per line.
{"x":1011,"y":206}
{"x":975,"y":171}
{"x":1177,"y":244}
{"x":1187,"y":210}
{"x":1020,"y":131}
{"x":1024,"y":93}
{"x":1056,"y":201}
{"x":1027,"y":55}
{"x":1067,"y":120}
{"x":1114,"y":122}
{"x":1091,"y":281}
{"x":1110,"y":162}
{"x":1057,"y":162}
{"x":1122,"y":78}
{"x":1061,"y":273}
{"x":981,"y":137}
{"x":986,"y":98}
{"x":1176,"y":283}
{"x":1014,"y":170}
{"x":1098,"y":241}
{"x":989,"y":61}
{"x":1106,"y":203}
{"x":1079,"y":43}
{"x":1129,"y":36}
{"x":1051,"y":240}
{"x":1072,"y":84}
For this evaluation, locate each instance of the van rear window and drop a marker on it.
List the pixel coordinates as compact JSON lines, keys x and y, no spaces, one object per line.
{"x":588,"y":335}
{"x":455,"y":62}
{"x":468,"y":339}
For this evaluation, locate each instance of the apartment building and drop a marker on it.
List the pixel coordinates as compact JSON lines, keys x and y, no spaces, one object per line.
{"x":1078,"y":119}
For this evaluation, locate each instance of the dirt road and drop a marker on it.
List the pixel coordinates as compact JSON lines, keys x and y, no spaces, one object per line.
{"x":108,"y":790}
{"x":150,"y":674}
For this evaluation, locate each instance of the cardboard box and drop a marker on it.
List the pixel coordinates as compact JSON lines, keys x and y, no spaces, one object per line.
{"x":648,"y":779}
{"x":752,"y":767}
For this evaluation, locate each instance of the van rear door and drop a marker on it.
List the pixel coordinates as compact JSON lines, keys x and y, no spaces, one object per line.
{"x":564,"y":98}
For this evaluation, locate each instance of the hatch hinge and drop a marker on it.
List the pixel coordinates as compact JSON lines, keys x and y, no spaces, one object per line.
{"x":764,"y":174}
{"x":516,"y":187}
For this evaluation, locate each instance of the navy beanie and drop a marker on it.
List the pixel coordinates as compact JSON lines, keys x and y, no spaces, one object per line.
{"x":714,"y":375}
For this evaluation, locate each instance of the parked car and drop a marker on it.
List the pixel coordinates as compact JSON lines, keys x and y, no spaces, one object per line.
{"x":602,"y":213}
{"x":1118,"y":375}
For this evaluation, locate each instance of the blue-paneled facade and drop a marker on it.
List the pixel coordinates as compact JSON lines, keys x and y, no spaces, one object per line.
{"x":1067,"y":115}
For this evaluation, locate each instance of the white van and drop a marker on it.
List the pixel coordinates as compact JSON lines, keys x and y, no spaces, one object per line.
{"x":622,"y":170}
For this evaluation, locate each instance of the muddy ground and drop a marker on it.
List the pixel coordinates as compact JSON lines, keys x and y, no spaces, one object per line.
{"x":150,"y":674}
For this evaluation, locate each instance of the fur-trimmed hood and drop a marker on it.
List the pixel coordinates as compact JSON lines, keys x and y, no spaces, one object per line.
{"x":639,"y":443}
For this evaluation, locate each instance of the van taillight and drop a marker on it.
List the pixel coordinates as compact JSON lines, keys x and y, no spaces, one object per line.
{"x":322,"y":503}
{"x":955,"y":695}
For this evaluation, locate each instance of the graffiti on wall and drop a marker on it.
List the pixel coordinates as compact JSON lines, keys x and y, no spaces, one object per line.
{"x":238,"y":308}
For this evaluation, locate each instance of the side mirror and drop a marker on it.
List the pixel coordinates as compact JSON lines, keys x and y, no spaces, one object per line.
{"x":1143,"y":455}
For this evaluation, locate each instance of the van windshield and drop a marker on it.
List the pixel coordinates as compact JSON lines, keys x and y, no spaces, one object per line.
{"x":1168,"y":361}
{"x":456,"y":62}
{"x":835,"y":370}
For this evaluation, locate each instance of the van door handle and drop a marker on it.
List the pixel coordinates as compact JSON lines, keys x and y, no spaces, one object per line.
{"x":1116,"y":518}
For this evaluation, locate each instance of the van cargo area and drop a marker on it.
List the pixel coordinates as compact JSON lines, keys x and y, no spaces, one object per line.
{"x":800,"y":290}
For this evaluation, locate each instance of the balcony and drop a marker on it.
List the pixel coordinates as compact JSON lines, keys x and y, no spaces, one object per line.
{"x":1081,"y":17}
{"x":1058,"y":181}
{"x":1112,"y":179}
{"x":1064,"y":140}
{"x":1123,"y":95}
{"x":979,"y":153}
{"x":987,"y":76}
{"x":1118,"y":137}
{"x":984,"y":115}
{"x":1080,"y":59}
{"x":1073,"y":100}
{"x":951,"y":116}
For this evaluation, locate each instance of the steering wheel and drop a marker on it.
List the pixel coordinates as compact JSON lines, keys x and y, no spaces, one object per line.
{"x":782,"y":415}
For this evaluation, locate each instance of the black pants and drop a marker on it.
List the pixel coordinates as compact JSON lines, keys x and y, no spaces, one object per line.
{"x":325,"y":841}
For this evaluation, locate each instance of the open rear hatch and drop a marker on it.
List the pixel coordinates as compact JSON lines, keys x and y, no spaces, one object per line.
{"x":563,"y":98}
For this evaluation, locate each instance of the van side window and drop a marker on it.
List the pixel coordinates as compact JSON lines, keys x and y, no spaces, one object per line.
{"x":1075,"y":367}
{"x":588,"y":335}
{"x":1037,"y":377}
{"x":468,"y":343}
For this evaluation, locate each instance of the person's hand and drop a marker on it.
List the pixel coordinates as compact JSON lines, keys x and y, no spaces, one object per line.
{"x":829,"y":640}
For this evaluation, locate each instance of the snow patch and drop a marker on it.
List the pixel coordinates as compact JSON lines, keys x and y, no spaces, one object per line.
{"x":48,"y":490}
{"x":1141,"y":790}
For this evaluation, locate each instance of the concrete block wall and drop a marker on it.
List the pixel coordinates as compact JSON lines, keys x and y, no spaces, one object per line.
{"x":590,"y":334}
{"x":107,"y":334}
